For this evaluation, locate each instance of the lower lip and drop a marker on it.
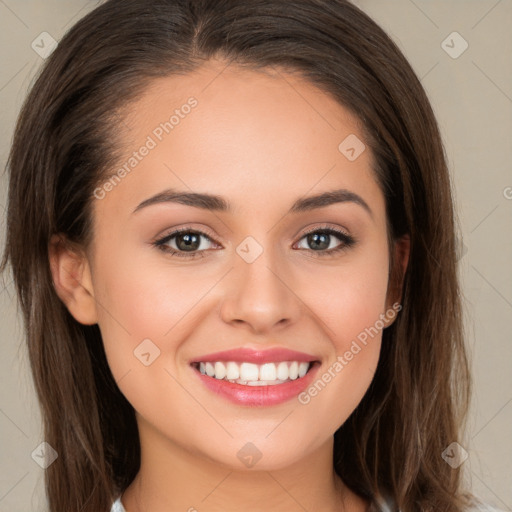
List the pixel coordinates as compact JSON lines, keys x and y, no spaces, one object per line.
{"x":259,"y":395}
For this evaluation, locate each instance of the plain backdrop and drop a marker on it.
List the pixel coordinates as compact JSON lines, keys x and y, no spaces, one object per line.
{"x":468,"y":77}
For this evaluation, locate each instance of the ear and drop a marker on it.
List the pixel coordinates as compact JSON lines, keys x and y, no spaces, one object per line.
{"x":402,"y":248}
{"x":72,"y":279}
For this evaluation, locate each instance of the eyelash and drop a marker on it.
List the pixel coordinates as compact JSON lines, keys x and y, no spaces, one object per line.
{"x":347,"y":242}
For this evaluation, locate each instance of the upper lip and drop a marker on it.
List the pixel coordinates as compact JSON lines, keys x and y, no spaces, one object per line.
{"x":256,"y":356}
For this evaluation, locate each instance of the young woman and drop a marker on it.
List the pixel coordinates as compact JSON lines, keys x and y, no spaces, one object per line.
{"x":231,"y":231}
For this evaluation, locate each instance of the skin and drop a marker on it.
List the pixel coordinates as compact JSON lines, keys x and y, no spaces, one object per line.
{"x":261,"y":140}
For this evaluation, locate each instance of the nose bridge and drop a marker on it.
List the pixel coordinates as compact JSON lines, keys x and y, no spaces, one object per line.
{"x":258,"y":293}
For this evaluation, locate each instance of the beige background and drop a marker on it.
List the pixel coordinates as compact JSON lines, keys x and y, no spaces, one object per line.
{"x":472,"y":97}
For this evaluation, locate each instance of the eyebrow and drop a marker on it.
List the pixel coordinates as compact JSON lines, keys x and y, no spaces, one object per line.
{"x":217,"y":203}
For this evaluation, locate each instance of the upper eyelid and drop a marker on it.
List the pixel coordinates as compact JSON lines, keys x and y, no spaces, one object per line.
{"x":325,"y":228}
{"x":174,"y":232}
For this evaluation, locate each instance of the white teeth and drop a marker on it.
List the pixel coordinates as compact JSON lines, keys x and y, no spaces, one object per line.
{"x":268,"y":371}
{"x":303,"y":369}
{"x":249,"y":374}
{"x":294,"y":370}
{"x":220,"y":370}
{"x":249,"y":371}
{"x":233,"y":371}
{"x":210,"y":370}
{"x":282,"y":371}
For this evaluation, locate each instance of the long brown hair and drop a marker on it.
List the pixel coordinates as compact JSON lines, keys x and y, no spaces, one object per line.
{"x":64,"y":146}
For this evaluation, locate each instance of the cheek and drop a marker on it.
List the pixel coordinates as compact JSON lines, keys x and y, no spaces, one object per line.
{"x":350,"y":309}
{"x":139,"y":300}
{"x":349,"y":299}
{"x":141,"y":317}
{"x":351,"y":319}
{"x":354,"y":311}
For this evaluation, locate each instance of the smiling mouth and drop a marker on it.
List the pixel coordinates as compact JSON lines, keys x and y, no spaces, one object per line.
{"x":250,"y":374}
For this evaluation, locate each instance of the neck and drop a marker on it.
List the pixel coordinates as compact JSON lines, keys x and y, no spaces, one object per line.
{"x":173,"y":478}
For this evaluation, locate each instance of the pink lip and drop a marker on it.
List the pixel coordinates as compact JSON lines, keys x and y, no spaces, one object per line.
{"x":254,"y":396}
{"x":248,"y":355}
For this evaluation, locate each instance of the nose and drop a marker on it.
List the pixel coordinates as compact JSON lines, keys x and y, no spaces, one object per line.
{"x":259,"y":295}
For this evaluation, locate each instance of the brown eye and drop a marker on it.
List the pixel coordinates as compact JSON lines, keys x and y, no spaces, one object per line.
{"x":319,"y":241}
{"x":183,"y":241}
{"x":188,"y":241}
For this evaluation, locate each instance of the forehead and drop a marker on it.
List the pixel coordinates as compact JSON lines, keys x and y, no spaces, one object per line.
{"x":263,"y":136}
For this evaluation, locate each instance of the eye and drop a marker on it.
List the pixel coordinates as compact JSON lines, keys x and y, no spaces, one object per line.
{"x":187,"y":242}
{"x":320,"y":240}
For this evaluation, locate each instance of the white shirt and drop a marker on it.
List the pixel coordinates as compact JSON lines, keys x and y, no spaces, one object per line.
{"x":117,"y":506}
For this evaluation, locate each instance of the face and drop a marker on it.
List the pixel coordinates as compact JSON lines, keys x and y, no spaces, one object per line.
{"x":269,"y":270}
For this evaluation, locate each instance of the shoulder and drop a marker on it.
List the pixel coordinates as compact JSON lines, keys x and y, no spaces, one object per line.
{"x":117,"y":506}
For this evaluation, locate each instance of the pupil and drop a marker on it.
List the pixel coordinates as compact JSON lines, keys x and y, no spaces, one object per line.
{"x":313,"y":239}
{"x":190,"y":241}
